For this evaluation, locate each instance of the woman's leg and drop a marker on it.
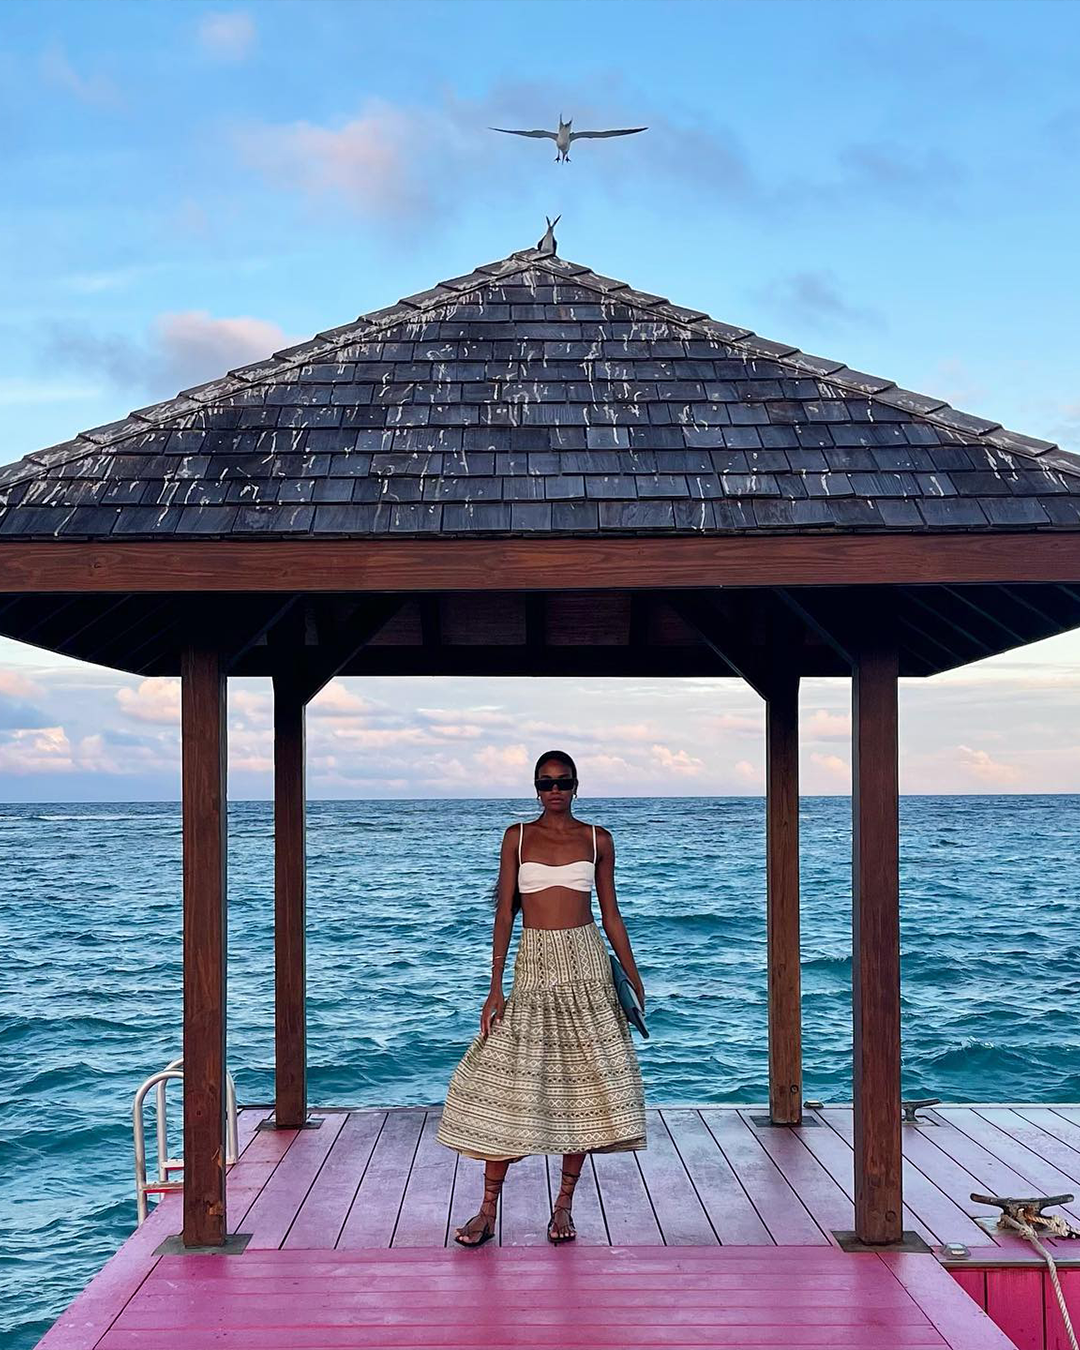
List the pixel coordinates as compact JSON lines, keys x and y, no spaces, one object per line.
{"x":562,"y":1225}
{"x":471,"y":1232}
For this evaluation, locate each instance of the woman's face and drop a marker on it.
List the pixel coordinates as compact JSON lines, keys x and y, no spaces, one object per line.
{"x":558,"y":799}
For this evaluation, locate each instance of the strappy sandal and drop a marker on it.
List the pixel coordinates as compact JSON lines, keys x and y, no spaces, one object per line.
{"x":492,"y":1190}
{"x":572,"y":1234}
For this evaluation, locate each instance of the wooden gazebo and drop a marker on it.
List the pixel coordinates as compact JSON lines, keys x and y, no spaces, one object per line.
{"x":537,"y":470}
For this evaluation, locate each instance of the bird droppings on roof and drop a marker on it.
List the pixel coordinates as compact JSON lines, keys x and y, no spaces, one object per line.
{"x":536,"y":396}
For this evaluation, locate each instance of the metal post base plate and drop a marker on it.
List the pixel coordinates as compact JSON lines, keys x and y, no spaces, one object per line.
{"x":910,"y":1241}
{"x":273,"y":1125}
{"x":764,"y":1121}
{"x":233,"y":1245}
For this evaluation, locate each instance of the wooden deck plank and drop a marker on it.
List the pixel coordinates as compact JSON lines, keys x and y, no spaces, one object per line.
{"x":247,"y":1177}
{"x":526,"y":1202}
{"x":526,"y":1299}
{"x":588,"y":1213}
{"x":278,"y":1203}
{"x":989,"y":1174}
{"x":321,"y":1217}
{"x":679,"y":1211}
{"x":1041,"y":1176}
{"x":94,"y":1309}
{"x":1047,"y":1146}
{"x":827,"y":1203}
{"x":836,"y":1154}
{"x":733,"y":1217}
{"x":948,"y":1220}
{"x":959,"y":1319}
{"x":628,"y":1211}
{"x":1054,"y":1124}
{"x":373,"y":1214}
{"x":425,"y":1210}
{"x":787,"y":1219}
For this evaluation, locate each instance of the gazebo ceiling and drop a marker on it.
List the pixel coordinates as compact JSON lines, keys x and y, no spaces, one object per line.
{"x":529,"y":400}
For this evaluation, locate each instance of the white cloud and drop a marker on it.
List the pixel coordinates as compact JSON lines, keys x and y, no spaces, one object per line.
{"x":677,"y":761}
{"x":44,"y":750}
{"x":180,"y":349}
{"x":15,"y":684}
{"x":749,"y":773}
{"x":506,"y":764}
{"x":196,"y":346}
{"x":742,"y":724}
{"x":370,"y":162}
{"x":335,"y":700}
{"x":251,"y":706}
{"x":156,"y":700}
{"x":97,"y":90}
{"x":982,"y":766}
{"x":631,"y":731}
{"x":826,"y":726}
{"x":227,"y":35}
{"x":832,"y":765}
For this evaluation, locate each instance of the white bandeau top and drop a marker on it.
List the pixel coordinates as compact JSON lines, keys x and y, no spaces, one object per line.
{"x":576,"y":876}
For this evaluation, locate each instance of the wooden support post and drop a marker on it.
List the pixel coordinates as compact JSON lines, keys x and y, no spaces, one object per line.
{"x":204,"y":736}
{"x":290,"y":1035}
{"x":782,"y":906}
{"x":876,"y":941}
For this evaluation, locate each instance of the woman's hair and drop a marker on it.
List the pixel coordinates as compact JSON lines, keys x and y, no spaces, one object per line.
{"x":565,"y":759}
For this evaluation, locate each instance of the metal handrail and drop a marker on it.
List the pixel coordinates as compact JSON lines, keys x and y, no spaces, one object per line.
{"x":165,"y":1164}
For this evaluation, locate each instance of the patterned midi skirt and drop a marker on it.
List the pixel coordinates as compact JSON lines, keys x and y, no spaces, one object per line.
{"x":558,"y":1072}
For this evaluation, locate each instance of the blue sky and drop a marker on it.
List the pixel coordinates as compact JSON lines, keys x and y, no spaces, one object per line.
{"x":189,"y":186}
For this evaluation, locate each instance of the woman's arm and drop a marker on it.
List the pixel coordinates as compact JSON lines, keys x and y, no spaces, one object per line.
{"x":609,"y":908}
{"x":504,"y":907}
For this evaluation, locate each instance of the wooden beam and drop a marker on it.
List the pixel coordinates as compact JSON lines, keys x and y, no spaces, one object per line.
{"x":399,"y":659}
{"x":290,"y":881}
{"x":876,"y":939}
{"x":723,"y":639}
{"x":639,"y":563}
{"x":203,"y":731}
{"x":313,"y":669}
{"x":782,"y":904}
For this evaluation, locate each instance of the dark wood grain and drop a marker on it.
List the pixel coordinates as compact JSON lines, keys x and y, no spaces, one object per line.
{"x":641,"y":563}
{"x":203,"y":729}
{"x":876,"y":937}
{"x":290,"y":868}
{"x":782,"y":903}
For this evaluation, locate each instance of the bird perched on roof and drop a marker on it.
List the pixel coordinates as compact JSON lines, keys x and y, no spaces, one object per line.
{"x":565,"y":135}
{"x":548,"y":243}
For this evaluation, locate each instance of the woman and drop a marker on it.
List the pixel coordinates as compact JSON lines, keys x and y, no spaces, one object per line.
{"x":553,"y":1069}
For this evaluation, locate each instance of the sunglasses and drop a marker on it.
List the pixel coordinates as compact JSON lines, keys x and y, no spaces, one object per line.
{"x":547,"y":784}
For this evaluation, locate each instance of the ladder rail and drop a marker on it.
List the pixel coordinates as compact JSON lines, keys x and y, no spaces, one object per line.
{"x":159,"y":1082}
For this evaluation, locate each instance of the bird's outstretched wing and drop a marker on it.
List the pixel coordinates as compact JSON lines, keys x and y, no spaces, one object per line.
{"x":597,"y":135}
{"x":551,"y":135}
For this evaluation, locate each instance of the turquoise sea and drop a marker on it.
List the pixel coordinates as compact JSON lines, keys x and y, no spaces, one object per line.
{"x":399,"y":958}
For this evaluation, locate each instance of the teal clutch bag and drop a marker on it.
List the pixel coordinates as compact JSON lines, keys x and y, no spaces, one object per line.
{"x":628,"y":999}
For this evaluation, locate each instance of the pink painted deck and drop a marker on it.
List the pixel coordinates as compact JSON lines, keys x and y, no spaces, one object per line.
{"x":720,"y":1233}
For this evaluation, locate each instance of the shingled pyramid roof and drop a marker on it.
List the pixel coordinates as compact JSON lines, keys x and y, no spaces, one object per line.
{"x":535,"y":395}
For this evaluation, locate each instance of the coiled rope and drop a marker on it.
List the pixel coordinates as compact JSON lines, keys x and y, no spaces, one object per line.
{"x":1023,"y":1215}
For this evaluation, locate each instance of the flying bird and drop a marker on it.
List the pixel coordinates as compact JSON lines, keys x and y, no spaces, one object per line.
{"x":565,"y":135}
{"x":548,"y":243}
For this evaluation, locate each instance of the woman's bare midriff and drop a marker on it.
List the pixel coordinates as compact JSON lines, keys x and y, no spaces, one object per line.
{"x":556,"y":907}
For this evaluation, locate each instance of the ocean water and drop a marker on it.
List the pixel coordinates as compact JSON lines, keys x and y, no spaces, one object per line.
{"x":399,"y":946}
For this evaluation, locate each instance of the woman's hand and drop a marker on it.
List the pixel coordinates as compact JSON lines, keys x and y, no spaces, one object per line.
{"x":640,"y":990}
{"x":494,"y":1006}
